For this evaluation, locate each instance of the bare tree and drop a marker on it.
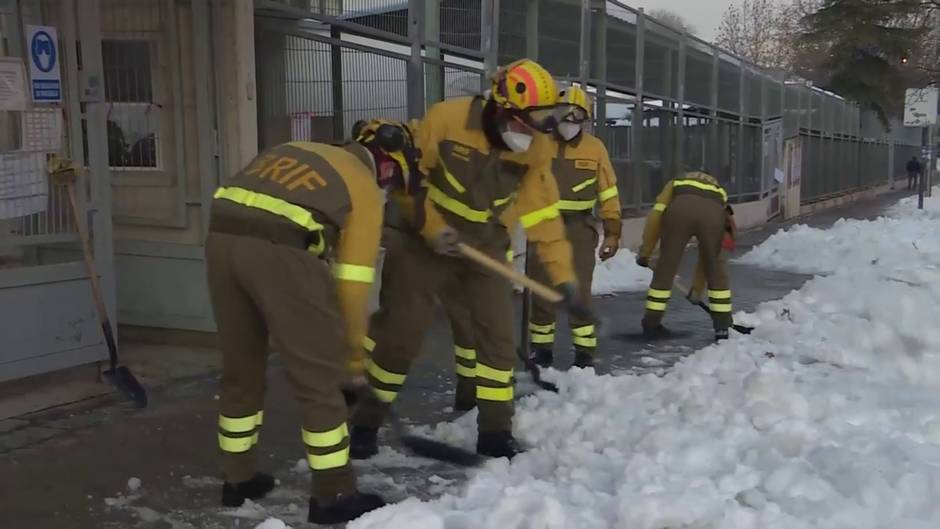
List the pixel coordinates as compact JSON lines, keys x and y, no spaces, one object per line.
{"x":765,"y":31}
{"x":673,"y":20}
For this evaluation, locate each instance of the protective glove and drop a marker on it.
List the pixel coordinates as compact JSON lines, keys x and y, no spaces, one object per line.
{"x":642,"y":262}
{"x":572,"y":304}
{"x":611,"y":239}
{"x":609,"y":248}
{"x":356,"y":386}
{"x":445,"y":242}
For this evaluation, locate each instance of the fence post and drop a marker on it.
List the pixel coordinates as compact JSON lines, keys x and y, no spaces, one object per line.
{"x":532,"y":29}
{"x":489,"y":37}
{"x":584,"y":64}
{"x":599,"y":59}
{"x":336,"y":75}
{"x":433,"y":71}
{"x":415,"y":76}
{"x":639,"y":166}
{"x":713,"y":162}
{"x":680,"y":96}
{"x":739,"y":166}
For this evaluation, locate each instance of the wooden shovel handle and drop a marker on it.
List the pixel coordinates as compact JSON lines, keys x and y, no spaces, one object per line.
{"x":540,"y":290}
{"x":79,"y":218}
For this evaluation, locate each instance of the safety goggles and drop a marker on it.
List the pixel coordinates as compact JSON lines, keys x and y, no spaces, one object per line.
{"x":542,"y":119}
{"x":573,"y":114}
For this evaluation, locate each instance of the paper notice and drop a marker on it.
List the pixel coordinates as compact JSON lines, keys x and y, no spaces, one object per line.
{"x":12,"y":85}
{"x":42,"y":130}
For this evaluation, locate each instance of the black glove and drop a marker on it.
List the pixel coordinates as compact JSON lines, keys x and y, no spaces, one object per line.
{"x":572,"y":304}
{"x":643,"y":262}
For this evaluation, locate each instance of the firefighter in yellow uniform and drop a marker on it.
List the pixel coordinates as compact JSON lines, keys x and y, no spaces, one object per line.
{"x":478,"y":156}
{"x":586,"y":181}
{"x":690,"y":206}
{"x":290,"y":254}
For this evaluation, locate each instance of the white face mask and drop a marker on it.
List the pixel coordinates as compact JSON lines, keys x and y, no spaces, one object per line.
{"x":516,"y":141}
{"x":569,"y":130}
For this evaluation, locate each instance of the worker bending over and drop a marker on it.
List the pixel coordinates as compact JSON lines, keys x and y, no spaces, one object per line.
{"x":691,"y":206}
{"x":291,"y":250}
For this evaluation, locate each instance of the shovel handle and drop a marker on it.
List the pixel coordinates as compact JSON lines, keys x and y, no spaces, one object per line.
{"x":540,"y":290}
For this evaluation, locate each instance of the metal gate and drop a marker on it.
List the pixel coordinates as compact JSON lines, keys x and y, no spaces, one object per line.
{"x":47,"y":320}
{"x":323,"y":65}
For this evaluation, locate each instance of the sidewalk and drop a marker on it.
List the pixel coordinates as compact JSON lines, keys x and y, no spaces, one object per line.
{"x":70,"y":468}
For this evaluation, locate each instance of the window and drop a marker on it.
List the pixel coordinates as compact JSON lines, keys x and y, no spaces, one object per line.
{"x":133,"y":117}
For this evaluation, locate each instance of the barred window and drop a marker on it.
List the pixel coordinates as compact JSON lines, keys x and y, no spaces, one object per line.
{"x":133,"y":117}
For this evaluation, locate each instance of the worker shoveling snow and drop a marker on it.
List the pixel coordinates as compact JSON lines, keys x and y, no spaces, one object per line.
{"x":827,"y":416}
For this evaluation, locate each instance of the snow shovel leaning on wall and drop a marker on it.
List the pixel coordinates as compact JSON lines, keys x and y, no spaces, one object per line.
{"x":65,"y":173}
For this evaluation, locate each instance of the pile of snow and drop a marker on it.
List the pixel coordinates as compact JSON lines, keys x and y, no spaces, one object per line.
{"x":827,"y":416}
{"x":620,"y":273}
{"x":906,"y":238}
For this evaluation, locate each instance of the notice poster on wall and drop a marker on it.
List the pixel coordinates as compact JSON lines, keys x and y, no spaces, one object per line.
{"x":24,"y":187}
{"x":12,"y":85}
{"x":42,"y":129}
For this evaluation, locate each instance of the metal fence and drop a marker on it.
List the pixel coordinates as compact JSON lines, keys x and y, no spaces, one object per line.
{"x":664,"y":101}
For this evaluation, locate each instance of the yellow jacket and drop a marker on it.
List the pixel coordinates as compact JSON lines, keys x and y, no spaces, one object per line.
{"x":697,"y":180}
{"x":472,"y":187}
{"x":585,"y":177}
{"x":325,"y":190}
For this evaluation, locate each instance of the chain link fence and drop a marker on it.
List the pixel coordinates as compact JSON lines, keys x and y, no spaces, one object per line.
{"x":665,"y":102}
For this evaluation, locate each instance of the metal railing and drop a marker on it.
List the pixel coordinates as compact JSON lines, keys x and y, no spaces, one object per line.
{"x":665,"y":101}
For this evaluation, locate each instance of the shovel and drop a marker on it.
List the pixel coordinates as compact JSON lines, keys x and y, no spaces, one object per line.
{"x":531,"y":286}
{"x":65,"y":173}
{"x":743,"y":329}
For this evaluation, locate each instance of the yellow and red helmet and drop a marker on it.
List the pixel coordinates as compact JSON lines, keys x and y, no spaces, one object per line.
{"x":528,"y":91}
{"x":392,"y":144}
{"x":576,"y":104}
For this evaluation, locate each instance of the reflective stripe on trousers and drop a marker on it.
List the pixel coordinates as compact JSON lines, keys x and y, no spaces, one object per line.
{"x":657,"y":299}
{"x":328,"y":449}
{"x":239,"y":434}
{"x":542,"y":334}
{"x":494,"y":384}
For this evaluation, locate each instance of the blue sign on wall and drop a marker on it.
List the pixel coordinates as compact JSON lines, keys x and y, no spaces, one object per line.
{"x":44,"y":74}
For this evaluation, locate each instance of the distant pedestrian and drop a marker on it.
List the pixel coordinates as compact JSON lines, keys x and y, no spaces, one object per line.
{"x":914,"y":171}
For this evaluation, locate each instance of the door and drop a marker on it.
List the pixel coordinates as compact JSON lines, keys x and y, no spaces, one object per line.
{"x":48,"y":320}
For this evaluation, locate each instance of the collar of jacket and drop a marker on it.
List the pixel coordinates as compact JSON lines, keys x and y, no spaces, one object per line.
{"x":361,"y":153}
{"x":475,"y":118}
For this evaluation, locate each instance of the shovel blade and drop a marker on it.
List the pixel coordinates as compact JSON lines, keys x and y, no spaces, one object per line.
{"x":439,"y":451}
{"x":121,"y":378}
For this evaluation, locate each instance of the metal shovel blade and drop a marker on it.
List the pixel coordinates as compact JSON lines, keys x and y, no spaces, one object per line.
{"x":121,"y":378}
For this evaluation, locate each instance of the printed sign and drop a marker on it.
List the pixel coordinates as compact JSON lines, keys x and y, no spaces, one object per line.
{"x":920,"y":107}
{"x":45,"y":79}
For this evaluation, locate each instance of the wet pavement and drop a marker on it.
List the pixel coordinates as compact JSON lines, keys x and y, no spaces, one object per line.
{"x":70,"y":467}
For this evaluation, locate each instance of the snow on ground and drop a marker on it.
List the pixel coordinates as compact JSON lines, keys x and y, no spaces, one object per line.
{"x":827,"y":416}
{"x":904,"y":238}
{"x":620,"y":274}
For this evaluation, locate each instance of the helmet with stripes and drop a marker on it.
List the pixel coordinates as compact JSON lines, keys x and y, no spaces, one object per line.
{"x":527,"y":91}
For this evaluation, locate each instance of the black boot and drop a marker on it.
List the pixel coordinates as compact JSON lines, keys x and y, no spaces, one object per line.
{"x":344,"y":509}
{"x":582,"y":359}
{"x":363,"y":442}
{"x":543,"y":357}
{"x":656,"y":333}
{"x":235,"y":494}
{"x":721,"y":334}
{"x":498,"y":444}
{"x":464,"y":405}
